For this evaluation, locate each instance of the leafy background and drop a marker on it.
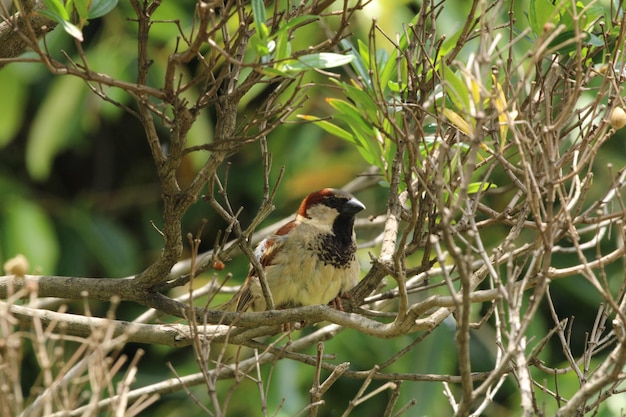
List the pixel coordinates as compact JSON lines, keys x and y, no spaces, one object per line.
{"x":79,"y":195}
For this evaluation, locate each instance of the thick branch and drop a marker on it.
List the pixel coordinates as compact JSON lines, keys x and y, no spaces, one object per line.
{"x":14,"y":30}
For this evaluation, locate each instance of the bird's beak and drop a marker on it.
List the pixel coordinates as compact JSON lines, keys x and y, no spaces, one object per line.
{"x":353,"y":206}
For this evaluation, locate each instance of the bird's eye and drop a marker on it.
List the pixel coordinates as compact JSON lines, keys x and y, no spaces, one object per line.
{"x":334,"y":202}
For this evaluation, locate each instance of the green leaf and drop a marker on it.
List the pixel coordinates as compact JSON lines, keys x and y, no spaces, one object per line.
{"x":82,"y":7}
{"x":56,"y":8}
{"x":283,"y":46}
{"x":540,"y":13}
{"x":563,"y":41}
{"x":395,"y":87}
{"x":382,"y":57}
{"x":67,"y":26}
{"x":53,"y":124}
{"x":12,"y":106}
{"x":364,"y":53}
{"x":358,"y":62}
{"x":368,"y":156}
{"x":330,"y":128}
{"x":100,"y":8}
{"x":475,"y":187}
{"x":362,"y":99}
{"x":456,"y":89}
{"x":259,"y":45}
{"x":345,"y":108}
{"x":26,"y":229}
{"x":258,"y":11}
{"x":274,"y":72}
{"x":389,"y":71}
{"x":259,"y":40}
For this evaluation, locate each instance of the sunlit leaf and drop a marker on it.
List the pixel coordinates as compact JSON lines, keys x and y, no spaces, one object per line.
{"x":475,"y":91}
{"x":504,"y":115}
{"x":322,"y":60}
{"x":345,"y":108}
{"x":395,"y":87}
{"x":450,"y":43}
{"x":259,"y":45}
{"x":55,"y":8}
{"x":329,"y":127}
{"x":458,"y":122}
{"x":475,"y":187}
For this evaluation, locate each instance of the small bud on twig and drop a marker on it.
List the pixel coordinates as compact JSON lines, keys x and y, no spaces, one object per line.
{"x":617,"y":118}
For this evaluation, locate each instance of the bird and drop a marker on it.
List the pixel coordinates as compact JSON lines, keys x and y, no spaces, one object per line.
{"x":309,"y":261}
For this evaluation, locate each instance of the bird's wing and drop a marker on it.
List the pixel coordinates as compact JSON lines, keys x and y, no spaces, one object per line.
{"x":265,"y":252}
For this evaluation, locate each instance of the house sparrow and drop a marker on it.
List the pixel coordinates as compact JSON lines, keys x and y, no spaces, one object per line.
{"x":310,"y":260}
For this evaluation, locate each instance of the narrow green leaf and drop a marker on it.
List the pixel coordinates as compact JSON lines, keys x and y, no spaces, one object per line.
{"x":14,"y":92}
{"x":345,"y":108}
{"x":53,"y":125}
{"x":367,"y":106}
{"x":56,"y":7}
{"x":382,"y":57}
{"x":368,"y":157}
{"x":358,"y":63}
{"x":283,"y":46}
{"x":364,"y":53}
{"x":388,"y":73}
{"x":456,"y":89}
{"x":330,"y":128}
{"x":274,"y":72}
{"x":258,"y":11}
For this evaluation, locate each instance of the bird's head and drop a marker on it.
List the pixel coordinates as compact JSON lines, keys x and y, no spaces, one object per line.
{"x":329,"y":209}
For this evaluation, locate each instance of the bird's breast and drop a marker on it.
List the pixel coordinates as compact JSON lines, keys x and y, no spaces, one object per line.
{"x":303,"y":275}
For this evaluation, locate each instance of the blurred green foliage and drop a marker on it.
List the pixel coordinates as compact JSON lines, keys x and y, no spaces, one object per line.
{"x":80,"y":193}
